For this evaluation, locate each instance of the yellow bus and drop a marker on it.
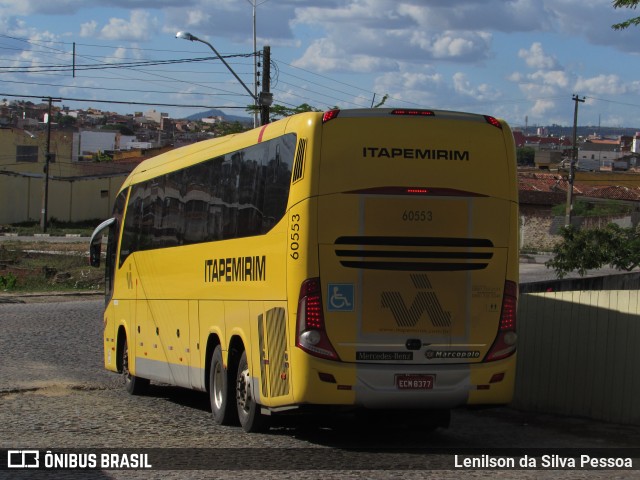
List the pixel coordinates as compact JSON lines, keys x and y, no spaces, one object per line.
{"x":365,"y":259}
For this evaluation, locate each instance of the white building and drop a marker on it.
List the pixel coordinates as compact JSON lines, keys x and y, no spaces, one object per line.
{"x":86,"y":143}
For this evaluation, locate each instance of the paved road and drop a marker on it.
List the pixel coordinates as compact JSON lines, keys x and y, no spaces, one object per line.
{"x":54,"y":393}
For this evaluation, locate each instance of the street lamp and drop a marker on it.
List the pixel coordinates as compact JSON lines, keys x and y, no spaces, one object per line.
{"x":193,"y":38}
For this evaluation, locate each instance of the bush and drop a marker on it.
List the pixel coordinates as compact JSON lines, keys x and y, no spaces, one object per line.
{"x":8,"y":282}
{"x":581,"y":208}
{"x":582,"y":250}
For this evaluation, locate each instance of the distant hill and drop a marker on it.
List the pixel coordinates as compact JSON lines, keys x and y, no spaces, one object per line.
{"x":219,"y":113}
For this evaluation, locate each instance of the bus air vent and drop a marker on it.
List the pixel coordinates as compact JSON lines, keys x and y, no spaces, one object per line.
{"x":298,"y":166}
{"x":414,"y":253}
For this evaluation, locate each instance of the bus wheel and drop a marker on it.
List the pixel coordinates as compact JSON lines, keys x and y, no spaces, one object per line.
{"x":220,"y":391}
{"x":248,"y":410}
{"x":134,"y":385}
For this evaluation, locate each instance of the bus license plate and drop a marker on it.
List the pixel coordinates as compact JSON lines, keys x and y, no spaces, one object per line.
{"x":415,"y":382}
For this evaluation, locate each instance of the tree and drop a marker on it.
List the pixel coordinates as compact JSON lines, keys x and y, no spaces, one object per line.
{"x":526,"y":156}
{"x":582,"y":250}
{"x":123,"y":129}
{"x":280,"y":111}
{"x":65,"y":121}
{"x":626,"y":4}
{"x":228,"y":128}
{"x":100,"y":156}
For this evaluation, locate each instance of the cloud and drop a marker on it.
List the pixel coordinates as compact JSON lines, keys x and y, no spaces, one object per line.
{"x":604,"y":85}
{"x":556,"y":78}
{"x":89,"y":29}
{"x":482,"y":92}
{"x":498,"y":15}
{"x":31,"y":7}
{"x":536,"y":58}
{"x":542,"y":107}
{"x":417,"y":88}
{"x":140,"y":27}
{"x":326,"y":56}
{"x":454,"y":45}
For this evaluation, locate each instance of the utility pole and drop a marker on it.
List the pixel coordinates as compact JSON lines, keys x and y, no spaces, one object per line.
{"x":266,"y":98}
{"x":47,"y":160}
{"x":574,"y":159}
{"x":255,"y":68}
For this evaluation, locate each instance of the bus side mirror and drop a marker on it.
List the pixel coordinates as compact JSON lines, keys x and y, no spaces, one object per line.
{"x":95,"y":244}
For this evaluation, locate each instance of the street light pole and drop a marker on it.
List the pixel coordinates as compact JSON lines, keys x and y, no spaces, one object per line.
{"x":193,"y":38}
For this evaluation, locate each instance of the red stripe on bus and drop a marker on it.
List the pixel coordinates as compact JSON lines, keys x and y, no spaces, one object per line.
{"x":261,"y":133}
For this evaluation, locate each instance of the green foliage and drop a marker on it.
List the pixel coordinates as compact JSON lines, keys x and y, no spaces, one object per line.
{"x":598,"y":209}
{"x":123,"y":129}
{"x":55,"y":227}
{"x":276,"y":112}
{"x":582,"y":250}
{"x":525,"y":156}
{"x":8,"y":282}
{"x":632,"y":4}
{"x":228,"y":128}
{"x":280,"y":111}
{"x":66,"y":121}
{"x":44,"y":266}
{"x":101,"y":157}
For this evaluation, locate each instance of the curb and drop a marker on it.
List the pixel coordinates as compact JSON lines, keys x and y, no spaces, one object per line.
{"x":24,"y":297}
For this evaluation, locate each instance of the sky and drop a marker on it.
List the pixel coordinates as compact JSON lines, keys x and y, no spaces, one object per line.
{"x":521,"y":60}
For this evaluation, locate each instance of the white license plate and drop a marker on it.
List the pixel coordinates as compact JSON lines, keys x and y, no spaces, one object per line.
{"x":415,"y":382}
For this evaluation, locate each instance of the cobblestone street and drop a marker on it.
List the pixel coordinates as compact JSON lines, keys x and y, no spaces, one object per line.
{"x":55,"y":394}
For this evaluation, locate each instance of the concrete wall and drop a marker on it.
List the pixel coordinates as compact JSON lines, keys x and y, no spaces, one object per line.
{"x":540,"y":231}
{"x":578,"y":354}
{"x":21,"y":198}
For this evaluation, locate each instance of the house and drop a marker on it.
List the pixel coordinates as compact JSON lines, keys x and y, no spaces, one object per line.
{"x":599,"y":154}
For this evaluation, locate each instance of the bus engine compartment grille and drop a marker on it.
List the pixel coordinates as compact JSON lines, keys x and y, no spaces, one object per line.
{"x":414,"y":253}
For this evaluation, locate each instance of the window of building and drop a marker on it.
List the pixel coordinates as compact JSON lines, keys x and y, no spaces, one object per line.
{"x":27,"y":153}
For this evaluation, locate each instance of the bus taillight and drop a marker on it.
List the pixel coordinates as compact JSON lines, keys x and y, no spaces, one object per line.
{"x":311,"y":335}
{"x":330,"y":115}
{"x":505,"y":342}
{"x":413,"y":112}
{"x":493,"y":121}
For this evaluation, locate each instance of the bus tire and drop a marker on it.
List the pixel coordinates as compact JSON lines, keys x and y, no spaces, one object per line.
{"x":221,"y":391}
{"x":134,"y":385}
{"x":249,"y":414}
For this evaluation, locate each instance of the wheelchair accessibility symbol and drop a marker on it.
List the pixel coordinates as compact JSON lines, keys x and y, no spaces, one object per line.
{"x":340,"y":297}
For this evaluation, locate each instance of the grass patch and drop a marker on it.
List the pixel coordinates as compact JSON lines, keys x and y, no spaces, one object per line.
{"x":39,"y":267}
{"x":55,"y":227}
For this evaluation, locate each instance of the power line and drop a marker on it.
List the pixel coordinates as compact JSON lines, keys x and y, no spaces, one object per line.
{"x":91,"y":100}
{"x":614,"y":101}
{"x":114,"y":89}
{"x":103,"y":66}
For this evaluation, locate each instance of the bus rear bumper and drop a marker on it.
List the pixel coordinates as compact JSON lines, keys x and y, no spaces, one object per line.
{"x":442,"y":386}
{"x":378,"y":386}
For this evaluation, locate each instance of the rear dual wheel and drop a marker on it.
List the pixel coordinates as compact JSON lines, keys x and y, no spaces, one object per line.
{"x":251,"y":419}
{"x":231,"y":393}
{"x":221,"y":391}
{"x":134,"y":385}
